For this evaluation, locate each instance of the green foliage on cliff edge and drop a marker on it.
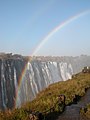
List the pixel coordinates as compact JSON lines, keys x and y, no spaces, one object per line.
{"x":48,"y":97}
{"x":85,"y":112}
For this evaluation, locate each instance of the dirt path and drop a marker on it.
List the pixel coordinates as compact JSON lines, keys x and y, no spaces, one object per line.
{"x":73,"y":112}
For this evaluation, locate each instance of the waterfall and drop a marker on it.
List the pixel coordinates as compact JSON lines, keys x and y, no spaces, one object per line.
{"x":39,"y":74}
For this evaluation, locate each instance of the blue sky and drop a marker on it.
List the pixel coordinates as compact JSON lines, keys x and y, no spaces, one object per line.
{"x":24,"y":24}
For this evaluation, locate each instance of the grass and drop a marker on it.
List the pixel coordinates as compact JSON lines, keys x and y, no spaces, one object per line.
{"x":85,"y":112}
{"x":48,"y":97}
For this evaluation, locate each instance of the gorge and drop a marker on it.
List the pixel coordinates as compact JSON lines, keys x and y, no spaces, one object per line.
{"x":21,"y":78}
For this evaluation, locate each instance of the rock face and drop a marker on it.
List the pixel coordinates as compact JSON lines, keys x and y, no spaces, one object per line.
{"x":38,"y":74}
{"x":10,"y":71}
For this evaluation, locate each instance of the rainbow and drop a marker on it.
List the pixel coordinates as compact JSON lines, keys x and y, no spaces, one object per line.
{"x":46,"y":38}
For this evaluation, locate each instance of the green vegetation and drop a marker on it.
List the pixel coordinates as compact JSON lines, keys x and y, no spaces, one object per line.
{"x":85,"y":112}
{"x":49,"y":97}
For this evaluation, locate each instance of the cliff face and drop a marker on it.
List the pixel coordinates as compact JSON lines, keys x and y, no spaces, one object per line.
{"x":10,"y":71}
{"x":40,"y":72}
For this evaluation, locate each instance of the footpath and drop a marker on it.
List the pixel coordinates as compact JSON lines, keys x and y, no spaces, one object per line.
{"x":72,"y":112}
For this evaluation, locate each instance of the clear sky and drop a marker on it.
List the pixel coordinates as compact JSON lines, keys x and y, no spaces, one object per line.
{"x":24,"y":24}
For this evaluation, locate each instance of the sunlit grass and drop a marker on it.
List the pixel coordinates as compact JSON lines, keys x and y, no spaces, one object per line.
{"x":48,"y":97}
{"x":85,"y":112}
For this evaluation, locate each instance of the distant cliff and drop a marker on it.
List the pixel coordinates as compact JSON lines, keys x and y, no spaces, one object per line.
{"x":39,"y":73}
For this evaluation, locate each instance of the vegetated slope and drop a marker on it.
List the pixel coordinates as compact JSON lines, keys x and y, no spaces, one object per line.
{"x":85,"y":112}
{"x":70,"y":88}
{"x":47,"y":98}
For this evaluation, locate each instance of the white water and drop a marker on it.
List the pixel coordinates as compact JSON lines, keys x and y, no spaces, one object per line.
{"x":41,"y":74}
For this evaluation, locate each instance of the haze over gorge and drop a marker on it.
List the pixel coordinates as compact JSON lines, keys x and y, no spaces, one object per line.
{"x":21,"y":78}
